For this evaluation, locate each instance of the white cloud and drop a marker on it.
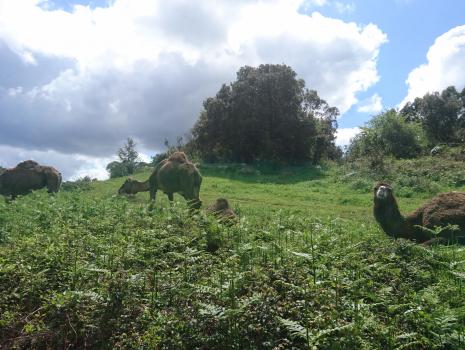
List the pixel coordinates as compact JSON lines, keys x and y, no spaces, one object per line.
{"x":445,"y":66}
{"x":340,"y":6}
{"x":371,"y":105}
{"x":337,"y":58}
{"x":319,"y":3}
{"x":344,"y":7}
{"x":344,"y":135}
{"x":72,"y":166}
{"x":143,"y":68}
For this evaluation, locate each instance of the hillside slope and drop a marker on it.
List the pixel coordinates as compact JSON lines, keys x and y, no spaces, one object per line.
{"x":305,"y":266}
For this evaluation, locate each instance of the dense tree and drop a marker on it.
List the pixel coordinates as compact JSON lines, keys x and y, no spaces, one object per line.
{"x":460,"y":131}
{"x":388,"y":134}
{"x":441,"y":115}
{"x":326,"y":126}
{"x":266,"y":114}
{"x":117,"y":169}
{"x":128,"y":155}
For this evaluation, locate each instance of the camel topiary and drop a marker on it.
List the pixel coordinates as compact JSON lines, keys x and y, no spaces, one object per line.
{"x":446,"y":210}
{"x":175,"y":174}
{"x":28,"y":176}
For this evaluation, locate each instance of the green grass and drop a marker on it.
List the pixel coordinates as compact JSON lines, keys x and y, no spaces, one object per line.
{"x":306,"y":267}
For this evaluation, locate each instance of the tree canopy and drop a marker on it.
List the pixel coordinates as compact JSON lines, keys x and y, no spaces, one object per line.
{"x":266,"y":114}
{"x":442,"y":115}
{"x":128,"y":154}
{"x":128,"y":157}
{"x":388,"y":134}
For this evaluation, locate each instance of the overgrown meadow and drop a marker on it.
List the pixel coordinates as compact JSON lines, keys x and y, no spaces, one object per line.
{"x":306,"y":267}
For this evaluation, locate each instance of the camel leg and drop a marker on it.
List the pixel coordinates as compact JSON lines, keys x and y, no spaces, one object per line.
{"x":53,"y":184}
{"x":153,"y":193}
{"x":192,"y":200}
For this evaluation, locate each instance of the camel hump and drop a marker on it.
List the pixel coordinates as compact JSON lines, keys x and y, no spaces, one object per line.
{"x":28,"y":164}
{"x":179,"y":157}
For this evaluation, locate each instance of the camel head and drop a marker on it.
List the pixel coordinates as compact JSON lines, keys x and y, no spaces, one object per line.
{"x":221,"y":204}
{"x":128,"y":187}
{"x":385,"y":209}
{"x":383,"y":192}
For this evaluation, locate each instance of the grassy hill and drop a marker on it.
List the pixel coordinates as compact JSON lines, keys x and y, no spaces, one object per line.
{"x":306,"y":266}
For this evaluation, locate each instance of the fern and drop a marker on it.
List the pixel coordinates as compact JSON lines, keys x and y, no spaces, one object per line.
{"x":294,"y":329}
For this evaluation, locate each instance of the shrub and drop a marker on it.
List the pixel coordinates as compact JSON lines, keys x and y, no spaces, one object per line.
{"x":388,"y":134}
{"x":82,"y":184}
{"x":117,"y":169}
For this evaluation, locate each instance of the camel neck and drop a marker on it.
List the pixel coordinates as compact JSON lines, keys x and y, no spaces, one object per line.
{"x":144,"y":185}
{"x":390,"y":218}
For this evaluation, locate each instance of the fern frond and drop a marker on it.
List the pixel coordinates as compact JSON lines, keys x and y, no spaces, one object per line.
{"x":294,"y":328}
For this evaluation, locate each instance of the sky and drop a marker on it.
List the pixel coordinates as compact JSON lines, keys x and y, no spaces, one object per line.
{"x":79,"y":77}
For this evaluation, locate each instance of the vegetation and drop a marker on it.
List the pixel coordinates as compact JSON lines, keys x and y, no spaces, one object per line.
{"x":433,"y":120}
{"x":128,"y":163}
{"x":423,"y":177}
{"x":442,"y":115}
{"x":82,"y":184}
{"x":305,"y":267}
{"x":266,"y":114}
{"x":388,"y":134}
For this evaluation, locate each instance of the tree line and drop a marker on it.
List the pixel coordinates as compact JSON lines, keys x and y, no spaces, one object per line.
{"x":428,"y":121}
{"x":268,"y":115}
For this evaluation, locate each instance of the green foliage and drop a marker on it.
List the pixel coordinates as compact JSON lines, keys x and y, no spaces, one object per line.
{"x":128,"y":155}
{"x":442,"y":115}
{"x":310,"y":269}
{"x":388,"y":134}
{"x":117,"y":169}
{"x":128,"y":163}
{"x":424,"y":176}
{"x":266,"y":114}
{"x":82,"y":184}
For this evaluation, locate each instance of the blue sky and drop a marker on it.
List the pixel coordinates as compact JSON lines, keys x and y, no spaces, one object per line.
{"x":78,"y":77}
{"x":68,"y":5}
{"x":411,"y":27}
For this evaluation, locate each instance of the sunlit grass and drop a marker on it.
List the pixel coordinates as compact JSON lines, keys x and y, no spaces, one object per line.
{"x":305,"y":267}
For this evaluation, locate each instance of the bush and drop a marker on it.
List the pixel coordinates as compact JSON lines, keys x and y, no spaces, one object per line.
{"x":117,"y":169}
{"x":82,"y":184}
{"x":388,"y":134}
{"x":425,"y":175}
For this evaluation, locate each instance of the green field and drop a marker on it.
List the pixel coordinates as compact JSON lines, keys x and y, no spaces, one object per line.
{"x":306,"y":267}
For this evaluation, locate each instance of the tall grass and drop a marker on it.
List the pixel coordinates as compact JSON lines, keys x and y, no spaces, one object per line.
{"x":86,"y":269}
